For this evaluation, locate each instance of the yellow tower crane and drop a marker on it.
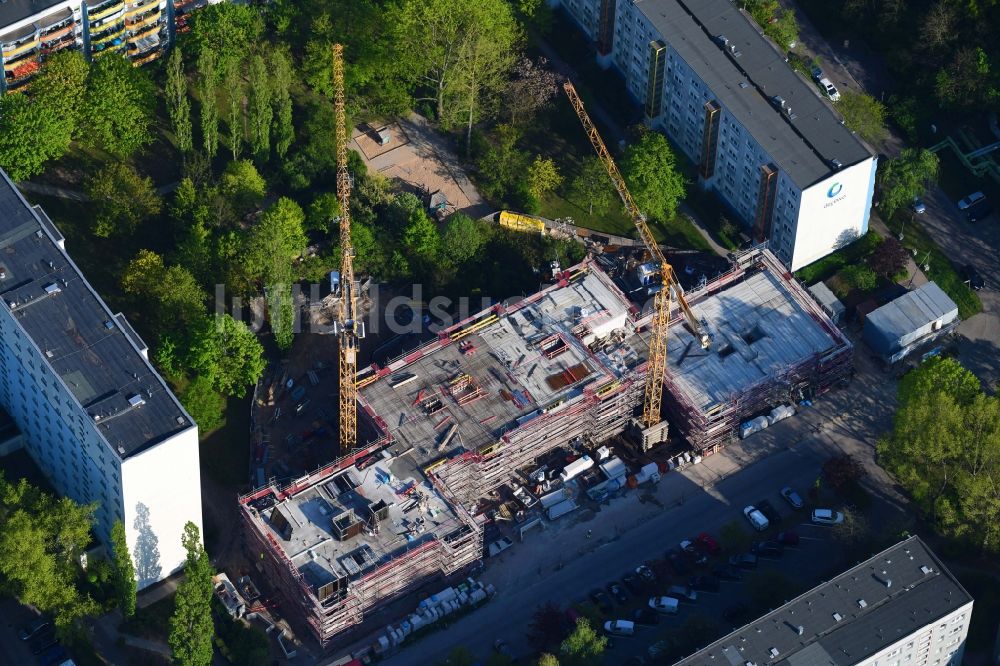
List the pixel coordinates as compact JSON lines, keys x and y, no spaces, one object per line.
{"x":657,"y":365}
{"x":350,"y":328}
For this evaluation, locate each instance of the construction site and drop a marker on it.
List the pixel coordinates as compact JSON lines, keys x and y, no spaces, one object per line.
{"x":515,"y":415}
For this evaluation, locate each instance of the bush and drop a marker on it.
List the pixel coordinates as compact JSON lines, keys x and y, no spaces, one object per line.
{"x":862,"y":278}
{"x":845,"y":256}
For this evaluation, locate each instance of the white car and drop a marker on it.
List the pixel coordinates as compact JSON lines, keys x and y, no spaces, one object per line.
{"x":830,"y":89}
{"x":620,"y":627}
{"x":827,"y":517}
{"x":756,"y":518}
{"x":971,"y":200}
{"x":667,"y":605}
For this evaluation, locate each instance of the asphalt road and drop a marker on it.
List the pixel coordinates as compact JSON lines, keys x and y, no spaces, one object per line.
{"x":532,"y":575}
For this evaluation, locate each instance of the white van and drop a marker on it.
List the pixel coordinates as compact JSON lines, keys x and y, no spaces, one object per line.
{"x":756,"y":518}
{"x":666,"y":605}
{"x":620,"y":627}
{"x":830,"y":89}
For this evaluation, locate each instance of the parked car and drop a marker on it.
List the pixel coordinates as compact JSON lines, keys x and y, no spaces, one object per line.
{"x":633,"y":582}
{"x":756,"y":518}
{"x":618,"y":592}
{"x":766,"y":508}
{"x":54,"y":656}
{"x":830,"y":89}
{"x":620,"y":627}
{"x":792,"y":497}
{"x":693,"y":553}
{"x":728,"y":572}
{"x":971,"y":276}
{"x":918,"y":206}
{"x":827,"y":517}
{"x":704,"y":583}
{"x":787,"y":538}
{"x":666,"y":605}
{"x":816,"y":73}
{"x":771,"y":549}
{"x":43,"y":641}
{"x":683,"y":592}
{"x":33,"y":628}
{"x":735,"y":613}
{"x":744,"y":561}
{"x":979,"y":211}
{"x":498,"y":546}
{"x":646,"y":616}
{"x":602,"y":601}
{"x":707,"y":543}
{"x":645,"y":573}
{"x":678,"y":563}
{"x":971,"y":200}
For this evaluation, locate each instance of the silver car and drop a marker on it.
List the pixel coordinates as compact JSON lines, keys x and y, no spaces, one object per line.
{"x":792,"y":497}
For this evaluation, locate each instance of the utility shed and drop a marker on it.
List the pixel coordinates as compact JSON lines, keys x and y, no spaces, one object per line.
{"x":915,"y":318}
{"x":831,"y":304}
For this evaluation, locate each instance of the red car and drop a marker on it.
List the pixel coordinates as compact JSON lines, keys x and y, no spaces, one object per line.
{"x":707,"y":543}
{"x":788,"y":538}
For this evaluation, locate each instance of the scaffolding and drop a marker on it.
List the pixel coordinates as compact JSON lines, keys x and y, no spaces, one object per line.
{"x":329,"y":608}
{"x":708,"y":428}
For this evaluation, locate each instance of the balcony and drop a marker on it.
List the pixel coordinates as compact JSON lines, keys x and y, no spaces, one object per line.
{"x":134,"y":9}
{"x":52,"y":47}
{"x":138,"y":24}
{"x":107,"y":42}
{"x":50,"y":37}
{"x":145,"y":32}
{"x":12,"y":52}
{"x":115,"y":6}
{"x":146,"y":58}
{"x":144,"y":44}
{"x":22,"y":72}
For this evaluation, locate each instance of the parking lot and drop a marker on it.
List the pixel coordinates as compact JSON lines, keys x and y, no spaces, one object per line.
{"x":727,"y":589}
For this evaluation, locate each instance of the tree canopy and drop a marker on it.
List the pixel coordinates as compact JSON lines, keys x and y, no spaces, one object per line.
{"x":650,"y":169}
{"x":944,"y":448}
{"x":191,"y":626}
{"x":863,"y":114}
{"x":123,"y":198}
{"x":41,"y":538}
{"x":119,"y":102}
{"x":906,"y":178}
{"x":583,"y":647}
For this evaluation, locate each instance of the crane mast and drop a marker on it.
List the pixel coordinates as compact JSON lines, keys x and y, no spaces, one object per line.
{"x":657,"y":365}
{"x":347,"y":320}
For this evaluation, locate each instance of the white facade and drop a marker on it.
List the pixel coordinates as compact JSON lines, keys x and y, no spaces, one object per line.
{"x":801,"y":222}
{"x":941,"y":643}
{"x":139,"y":463}
{"x":161,"y":492}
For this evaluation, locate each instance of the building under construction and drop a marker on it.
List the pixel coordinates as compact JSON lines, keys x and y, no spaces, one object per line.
{"x":477,"y":407}
{"x":772,"y":345}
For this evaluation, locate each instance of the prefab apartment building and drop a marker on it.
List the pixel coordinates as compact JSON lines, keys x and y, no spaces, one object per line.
{"x":763,"y":139}
{"x":32,"y":30}
{"x":96,"y":417}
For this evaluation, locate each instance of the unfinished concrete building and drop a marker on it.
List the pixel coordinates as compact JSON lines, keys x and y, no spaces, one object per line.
{"x":773,"y":345}
{"x":347,"y":539}
{"x":477,"y":407}
{"x":494,"y":393}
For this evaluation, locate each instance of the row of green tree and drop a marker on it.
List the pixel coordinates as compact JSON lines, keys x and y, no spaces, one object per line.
{"x":42,"y":541}
{"x":944,"y":448}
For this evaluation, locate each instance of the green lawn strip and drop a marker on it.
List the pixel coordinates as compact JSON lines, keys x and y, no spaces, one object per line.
{"x":942,"y":271}
{"x":826,"y":267}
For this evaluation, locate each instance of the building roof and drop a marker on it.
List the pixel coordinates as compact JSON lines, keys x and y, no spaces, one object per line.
{"x":804,"y":146}
{"x":81,"y":340}
{"x":760,"y":329}
{"x":912,"y":311}
{"x":903,"y":589}
{"x":305,"y":525}
{"x":826,"y":298}
{"x":533,"y":357}
{"x":14,"y":11}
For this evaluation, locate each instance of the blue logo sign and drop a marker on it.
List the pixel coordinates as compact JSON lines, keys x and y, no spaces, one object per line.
{"x":834,"y":190}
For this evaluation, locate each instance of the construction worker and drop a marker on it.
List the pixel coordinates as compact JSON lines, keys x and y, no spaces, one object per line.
{"x":590,"y":533}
